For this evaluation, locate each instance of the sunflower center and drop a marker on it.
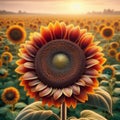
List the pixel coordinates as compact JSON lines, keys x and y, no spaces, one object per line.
{"x":10,"y":96}
{"x":59,"y":63}
{"x":16,"y":34}
{"x":60,"y":60}
{"x":108,"y":32}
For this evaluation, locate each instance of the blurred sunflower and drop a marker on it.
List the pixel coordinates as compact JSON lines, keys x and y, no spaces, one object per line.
{"x":16,"y":34}
{"x":118,"y":56}
{"x":6,"y":57}
{"x":6,"y":48}
{"x":112,"y":52}
{"x":109,"y":70}
{"x":60,"y":64}
{"x":3,"y":73}
{"x":10,"y":95}
{"x":107,"y":32}
{"x":114,"y":45}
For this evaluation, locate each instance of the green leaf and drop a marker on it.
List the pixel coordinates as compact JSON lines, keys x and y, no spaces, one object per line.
{"x":4,"y":110}
{"x":11,"y":115}
{"x":117,"y":84}
{"x":116,"y":92}
{"x":35,"y":111}
{"x":105,"y":76}
{"x":116,"y":66}
{"x":20,"y":105}
{"x":101,"y":99}
{"x":90,"y":115}
{"x":104,"y":83}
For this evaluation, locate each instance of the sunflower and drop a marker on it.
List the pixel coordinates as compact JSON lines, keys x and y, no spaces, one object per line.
{"x":3,"y":73}
{"x":6,"y":57}
{"x":101,"y":26}
{"x":107,"y":32}
{"x":10,"y":95}
{"x":118,"y":56}
{"x":16,"y":34}
{"x":60,"y":64}
{"x":112,"y":52}
{"x":114,"y":45}
{"x":6,"y":48}
{"x":109,"y":70}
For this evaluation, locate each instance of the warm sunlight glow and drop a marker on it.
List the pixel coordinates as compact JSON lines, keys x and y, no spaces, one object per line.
{"x":75,"y":7}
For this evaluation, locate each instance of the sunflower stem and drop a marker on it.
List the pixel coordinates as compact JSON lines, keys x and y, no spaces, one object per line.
{"x":63,"y":112}
{"x":13,"y":107}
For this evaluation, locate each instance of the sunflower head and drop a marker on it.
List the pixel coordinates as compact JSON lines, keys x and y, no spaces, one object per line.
{"x":118,"y":56}
{"x":16,"y":34}
{"x":114,"y":45}
{"x":3,"y":73}
{"x":6,"y":48}
{"x":6,"y":57}
{"x":107,"y":32}
{"x":60,"y":64}
{"x":10,"y":95}
{"x":109,"y":70}
{"x":101,"y":26}
{"x":112,"y":52}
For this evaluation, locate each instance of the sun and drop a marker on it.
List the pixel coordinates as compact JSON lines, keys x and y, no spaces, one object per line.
{"x":75,"y":7}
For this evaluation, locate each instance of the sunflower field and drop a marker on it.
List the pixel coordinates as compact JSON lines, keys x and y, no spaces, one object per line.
{"x":54,"y":67}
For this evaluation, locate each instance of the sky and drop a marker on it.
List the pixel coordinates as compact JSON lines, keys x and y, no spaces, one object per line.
{"x":59,"y":6}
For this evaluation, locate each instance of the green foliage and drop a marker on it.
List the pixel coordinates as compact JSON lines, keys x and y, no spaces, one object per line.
{"x":101,"y":99}
{"x":35,"y":111}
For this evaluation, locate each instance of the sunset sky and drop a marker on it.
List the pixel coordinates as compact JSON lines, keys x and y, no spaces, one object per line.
{"x":59,"y":6}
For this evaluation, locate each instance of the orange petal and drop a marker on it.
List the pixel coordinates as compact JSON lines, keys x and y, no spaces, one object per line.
{"x":95,"y":82}
{"x":29,"y":65}
{"x":46,"y":33}
{"x":85,"y":41}
{"x":76,"y":89}
{"x":57,"y":30}
{"x":68,"y":29}
{"x":51,"y":28}
{"x":91,"y":73}
{"x":91,"y":62}
{"x":89,"y":89}
{"x":21,"y":69}
{"x":73,"y":102}
{"x":31,"y":50}
{"x":80,"y":83}
{"x":29,"y":76}
{"x":57,"y":94}
{"x":20,"y":61}
{"x":82,"y":97}
{"x":67,"y":102}
{"x":87,"y":80}
{"x":67,"y":92}
{"x":91,"y":51}
{"x":34,"y":82}
{"x":45,"y":92}
{"x":102,"y":60}
{"x":63,"y":29}
{"x":74,"y":34}
{"x":40,"y":86}
{"x":82,"y":32}
{"x":26,"y":57}
{"x":38,"y":41}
